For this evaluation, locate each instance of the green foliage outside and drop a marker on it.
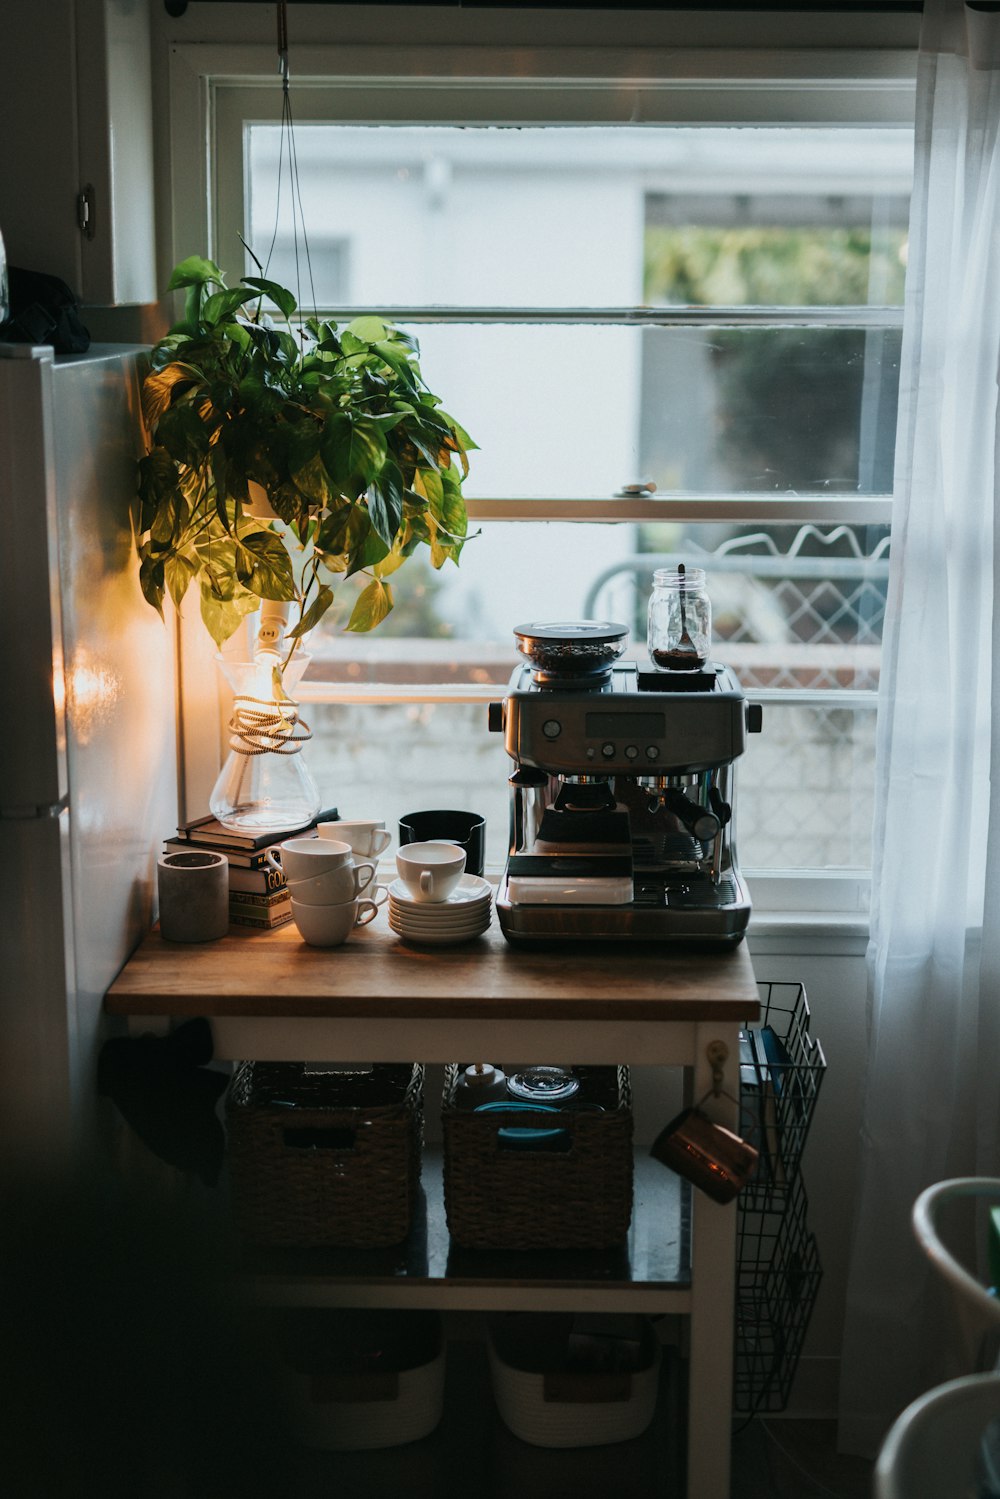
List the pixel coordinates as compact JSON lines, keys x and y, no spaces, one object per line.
{"x":688,"y":265}
{"x":785,"y":402}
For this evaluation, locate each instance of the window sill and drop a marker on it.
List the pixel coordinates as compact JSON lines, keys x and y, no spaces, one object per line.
{"x":831,"y":933}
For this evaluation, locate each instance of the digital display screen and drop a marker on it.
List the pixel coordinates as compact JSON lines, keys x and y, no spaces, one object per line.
{"x":625,"y":725}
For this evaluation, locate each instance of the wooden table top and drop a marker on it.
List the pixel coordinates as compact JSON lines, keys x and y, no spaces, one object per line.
{"x":375,"y":974}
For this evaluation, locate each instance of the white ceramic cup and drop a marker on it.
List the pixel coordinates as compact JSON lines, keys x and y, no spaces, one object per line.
{"x":333,"y":886}
{"x":366,"y":836}
{"x":303,"y":858}
{"x":329,"y":926}
{"x":430,"y":871}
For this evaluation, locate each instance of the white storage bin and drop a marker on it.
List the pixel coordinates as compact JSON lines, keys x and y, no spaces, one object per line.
{"x":367,"y":1380}
{"x":547,"y":1402}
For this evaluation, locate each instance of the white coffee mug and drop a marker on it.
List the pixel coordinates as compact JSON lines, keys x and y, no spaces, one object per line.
{"x":329,"y":926}
{"x":366,"y":836}
{"x":302,"y":858}
{"x":333,"y":886}
{"x":431,"y":870}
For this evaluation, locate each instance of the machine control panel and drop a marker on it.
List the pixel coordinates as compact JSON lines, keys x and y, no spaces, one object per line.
{"x":622,"y":730}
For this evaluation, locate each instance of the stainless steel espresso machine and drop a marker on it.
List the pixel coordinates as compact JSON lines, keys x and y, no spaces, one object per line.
{"x":621,"y":802}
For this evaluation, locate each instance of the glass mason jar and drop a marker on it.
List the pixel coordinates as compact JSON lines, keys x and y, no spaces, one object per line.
{"x":680,"y":619}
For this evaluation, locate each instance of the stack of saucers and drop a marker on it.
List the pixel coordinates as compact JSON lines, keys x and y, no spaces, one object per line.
{"x":463,"y":915}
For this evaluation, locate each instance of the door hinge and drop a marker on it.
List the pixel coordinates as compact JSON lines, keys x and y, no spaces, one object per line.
{"x":85,"y":210}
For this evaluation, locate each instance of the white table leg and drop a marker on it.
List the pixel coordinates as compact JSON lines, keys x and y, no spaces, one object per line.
{"x":713,"y":1288}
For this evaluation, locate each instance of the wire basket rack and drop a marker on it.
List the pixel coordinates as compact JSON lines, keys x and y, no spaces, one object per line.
{"x":778,"y":1265}
{"x":778,"y":1098}
{"x":777,"y":1281}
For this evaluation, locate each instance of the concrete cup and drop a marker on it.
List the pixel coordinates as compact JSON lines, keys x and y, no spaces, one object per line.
{"x":193,"y":890}
{"x":329,"y":926}
{"x":430,"y":871}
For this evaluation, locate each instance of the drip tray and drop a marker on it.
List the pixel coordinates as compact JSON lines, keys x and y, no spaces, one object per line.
{"x":652,"y":895}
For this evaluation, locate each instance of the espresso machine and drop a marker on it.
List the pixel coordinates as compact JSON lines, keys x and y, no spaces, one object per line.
{"x":621,"y":801}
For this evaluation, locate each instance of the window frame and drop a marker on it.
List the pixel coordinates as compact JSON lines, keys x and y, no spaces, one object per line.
{"x":213,"y":86}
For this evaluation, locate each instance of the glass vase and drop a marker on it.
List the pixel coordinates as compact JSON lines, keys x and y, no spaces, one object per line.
{"x":265,"y":785}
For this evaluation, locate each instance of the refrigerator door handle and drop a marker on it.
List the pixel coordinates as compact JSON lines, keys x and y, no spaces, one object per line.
{"x":30,"y":812}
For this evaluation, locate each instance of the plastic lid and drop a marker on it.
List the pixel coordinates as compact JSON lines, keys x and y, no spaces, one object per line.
{"x":594,"y":631}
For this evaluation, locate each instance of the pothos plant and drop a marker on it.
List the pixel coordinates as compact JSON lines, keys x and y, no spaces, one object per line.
{"x":359,"y":462}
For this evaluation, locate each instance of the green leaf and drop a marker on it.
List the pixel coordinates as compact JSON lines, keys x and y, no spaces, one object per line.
{"x":157,"y":479}
{"x":159,"y":388}
{"x":454,"y":516}
{"x":354,"y":452}
{"x":460,"y":433}
{"x":429,"y":483}
{"x":423,"y":446}
{"x":195,"y":271}
{"x":354,"y":348}
{"x":217,"y":555}
{"x":183,"y":434}
{"x":151,"y":582}
{"x":170,"y":516}
{"x":178,"y":571}
{"x":314,"y":613}
{"x":365,"y":545}
{"x":385,"y":502}
{"x":372,"y":551}
{"x":305,"y":463}
{"x":280,"y":295}
{"x":392,"y":356}
{"x":370,"y":329}
{"x":372,"y":606}
{"x":264,"y":566}
{"x":222,"y":617}
{"x":222,"y":304}
{"x":333,"y":535}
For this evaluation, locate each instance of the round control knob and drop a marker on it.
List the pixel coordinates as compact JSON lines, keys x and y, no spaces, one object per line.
{"x":552,"y":728}
{"x":631,"y":751}
{"x":495,"y":718}
{"x":652,"y":752}
{"x":608,"y":751}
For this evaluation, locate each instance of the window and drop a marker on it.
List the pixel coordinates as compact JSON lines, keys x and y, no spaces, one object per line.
{"x":714,"y":307}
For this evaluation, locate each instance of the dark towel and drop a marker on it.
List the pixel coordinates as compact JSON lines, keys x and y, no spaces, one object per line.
{"x":163,"y":1089}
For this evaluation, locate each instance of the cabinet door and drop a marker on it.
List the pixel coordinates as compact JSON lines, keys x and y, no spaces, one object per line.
{"x":77,"y":115}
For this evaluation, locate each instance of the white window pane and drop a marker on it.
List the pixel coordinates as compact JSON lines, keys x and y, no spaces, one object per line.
{"x":805,"y":789}
{"x":575,"y":411}
{"x":565,"y":217}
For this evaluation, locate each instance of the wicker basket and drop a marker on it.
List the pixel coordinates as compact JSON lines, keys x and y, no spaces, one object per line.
{"x":576,"y":1195}
{"x":544,"y":1402}
{"x":324,"y":1158}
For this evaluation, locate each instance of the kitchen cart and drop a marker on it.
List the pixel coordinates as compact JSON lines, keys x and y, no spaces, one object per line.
{"x":268,"y":996}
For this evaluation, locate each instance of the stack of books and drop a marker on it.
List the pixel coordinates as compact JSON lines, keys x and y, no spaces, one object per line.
{"x":258,"y":895}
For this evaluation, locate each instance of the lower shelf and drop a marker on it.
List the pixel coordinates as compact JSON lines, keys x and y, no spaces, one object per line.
{"x":652,"y":1270}
{"x":472,"y":1452}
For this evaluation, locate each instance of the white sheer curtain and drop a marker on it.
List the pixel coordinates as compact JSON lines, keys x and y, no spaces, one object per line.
{"x":933,"y":1082}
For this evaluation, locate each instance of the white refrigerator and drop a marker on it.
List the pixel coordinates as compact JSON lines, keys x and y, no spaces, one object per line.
{"x":88,"y":777}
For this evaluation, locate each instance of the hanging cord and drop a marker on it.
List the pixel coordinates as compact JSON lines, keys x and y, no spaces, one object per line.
{"x":295,"y":189}
{"x":259,"y":727}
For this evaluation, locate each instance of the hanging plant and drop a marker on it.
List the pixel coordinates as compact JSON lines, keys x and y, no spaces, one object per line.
{"x":359,"y":463}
